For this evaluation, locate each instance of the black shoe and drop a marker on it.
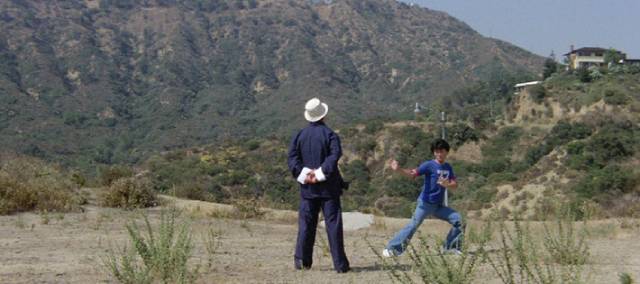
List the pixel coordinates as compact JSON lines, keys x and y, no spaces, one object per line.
{"x":345,"y":270}
{"x":300,"y":266}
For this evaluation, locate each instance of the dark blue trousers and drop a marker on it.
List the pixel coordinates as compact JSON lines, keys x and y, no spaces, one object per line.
{"x":307,"y":223}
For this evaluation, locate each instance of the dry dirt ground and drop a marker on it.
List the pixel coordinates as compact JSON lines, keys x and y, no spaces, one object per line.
{"x":69,"y":248}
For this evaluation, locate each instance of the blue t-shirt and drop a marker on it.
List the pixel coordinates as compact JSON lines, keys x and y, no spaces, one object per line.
{"x":432,"y":192}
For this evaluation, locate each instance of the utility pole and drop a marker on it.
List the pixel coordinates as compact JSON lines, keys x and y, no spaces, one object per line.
{"x":491,"y":104}
{"x":442,"y":122}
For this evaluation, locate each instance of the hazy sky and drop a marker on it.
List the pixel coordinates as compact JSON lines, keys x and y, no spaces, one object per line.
{"x":541,"y":26}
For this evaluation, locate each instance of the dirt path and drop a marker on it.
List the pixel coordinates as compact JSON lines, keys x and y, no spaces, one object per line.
{"x":69,"y":248}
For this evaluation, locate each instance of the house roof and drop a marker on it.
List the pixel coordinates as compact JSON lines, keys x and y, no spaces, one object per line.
{"x":525,"y":84}
{"x":589,"y":50}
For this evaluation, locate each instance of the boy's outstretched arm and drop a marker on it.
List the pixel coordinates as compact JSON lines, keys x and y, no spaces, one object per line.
{"x":412,"y":173}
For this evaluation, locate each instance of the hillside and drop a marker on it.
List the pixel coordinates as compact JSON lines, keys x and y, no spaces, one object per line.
{"x":112,"y":81}
{"x":563,"y":142}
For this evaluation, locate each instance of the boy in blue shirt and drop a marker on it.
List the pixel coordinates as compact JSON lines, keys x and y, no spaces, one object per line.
{"x":438,"y":177}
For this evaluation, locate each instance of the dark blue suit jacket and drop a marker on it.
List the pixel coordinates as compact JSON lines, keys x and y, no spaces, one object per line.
{"x":317,"y":146}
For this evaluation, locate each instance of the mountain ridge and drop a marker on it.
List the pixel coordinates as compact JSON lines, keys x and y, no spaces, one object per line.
{"x":113,"y":80}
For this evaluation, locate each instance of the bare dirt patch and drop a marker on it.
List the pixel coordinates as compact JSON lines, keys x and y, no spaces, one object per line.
{"x":68,"y":248}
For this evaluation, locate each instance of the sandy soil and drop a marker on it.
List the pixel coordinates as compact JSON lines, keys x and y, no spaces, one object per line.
{"x":69,"y":248}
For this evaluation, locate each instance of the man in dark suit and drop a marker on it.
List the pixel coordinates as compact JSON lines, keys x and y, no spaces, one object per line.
{"x":313,"y":161}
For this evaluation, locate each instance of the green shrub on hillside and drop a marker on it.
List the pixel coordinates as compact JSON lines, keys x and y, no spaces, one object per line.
{"x":577,"y":158}
{"x":175,"y":169}
{"x":415,"y":146}
{"x":550,"y":67}
{"x":502,"y":177}
{"x":479,"y":116}
{"x":535,"y":153}
{"x":490,"y":166}
{"x":75,"y":119}
{"x":226,"y":173}
{"x":612,"y":142}
{"x":562,"y":81}
{"x":360,"y":192}
{"x":347,"y":133}
{"x":560,"y":134}
{"x":597,"y":74}
{"x":599,"y":157}
{"x":564,"y":132}
{"x":605,"y":183}
{"x":461,"y":133}
{"x":400,"y":186}
{"x":30,"y":184}
{"x":357,"y":173}
{"x":396,"y":206}
{"x":615,"y":97}
{"x":372,"y":126}
{"x":252,"y":144}
{"x":502,"y":144}
{"x":128,"y":193}
{"x":584,"y":75}
{"x":108,"y":174}
{"x":537,"y":93}
{"x":365,"y":147}
{"x":198,"y":189}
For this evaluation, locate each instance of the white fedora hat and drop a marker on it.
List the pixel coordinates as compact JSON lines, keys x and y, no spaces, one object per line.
{"x":315,"y":110}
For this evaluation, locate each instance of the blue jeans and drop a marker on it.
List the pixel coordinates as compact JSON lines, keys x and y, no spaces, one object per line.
{"x":424,"y":209}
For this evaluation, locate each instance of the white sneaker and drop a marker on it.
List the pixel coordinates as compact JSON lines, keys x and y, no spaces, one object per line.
{"x":389,"y":253}
{"x":453,"y":251}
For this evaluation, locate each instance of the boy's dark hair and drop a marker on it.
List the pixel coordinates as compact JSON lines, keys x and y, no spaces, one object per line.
{"x":439,"y":144}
